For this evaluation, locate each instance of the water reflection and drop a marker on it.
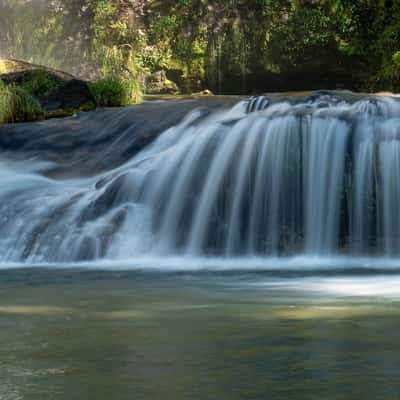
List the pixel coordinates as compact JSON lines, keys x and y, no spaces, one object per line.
{"x":384,"y":287}
{"x":101,"y":335}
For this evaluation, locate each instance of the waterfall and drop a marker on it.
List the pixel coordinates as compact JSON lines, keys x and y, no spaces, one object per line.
{"x":272,"y":176}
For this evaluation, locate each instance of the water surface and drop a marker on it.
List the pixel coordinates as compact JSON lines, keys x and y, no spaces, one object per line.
{"x":87,"y":334}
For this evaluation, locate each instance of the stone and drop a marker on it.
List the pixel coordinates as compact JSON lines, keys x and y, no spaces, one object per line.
{"x":158,"y":83}
{"x":74,"y":94}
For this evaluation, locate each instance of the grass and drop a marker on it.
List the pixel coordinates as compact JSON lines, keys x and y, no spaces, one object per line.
{"x":40,"y":83}
{"x":18,"y":105}
{"x":116,"y":92}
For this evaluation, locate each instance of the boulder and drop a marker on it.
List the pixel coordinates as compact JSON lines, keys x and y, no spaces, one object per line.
{"x":157,"y":83}
{"x":58,"y":93}
{"x":74,"y":94}
{"x":18,"y":71}
{"x":205,"y":92}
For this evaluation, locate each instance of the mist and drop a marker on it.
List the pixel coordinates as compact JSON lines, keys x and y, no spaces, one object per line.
{"x":54,"y":33}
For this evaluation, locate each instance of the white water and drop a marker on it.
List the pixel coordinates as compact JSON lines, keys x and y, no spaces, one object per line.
{"x":298,"y":264}
{"x":267,"y":182}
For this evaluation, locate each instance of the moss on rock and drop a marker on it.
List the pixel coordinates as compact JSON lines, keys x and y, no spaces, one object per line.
{"x":29,"y":92}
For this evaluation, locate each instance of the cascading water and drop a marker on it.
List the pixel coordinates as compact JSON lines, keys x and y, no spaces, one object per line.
{"x":318,"y":175}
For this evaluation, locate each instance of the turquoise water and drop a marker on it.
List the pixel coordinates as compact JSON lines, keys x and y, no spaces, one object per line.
{"x":80,"y":334}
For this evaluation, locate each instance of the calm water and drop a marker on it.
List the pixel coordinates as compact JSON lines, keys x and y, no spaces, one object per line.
{"x":75,"y":334}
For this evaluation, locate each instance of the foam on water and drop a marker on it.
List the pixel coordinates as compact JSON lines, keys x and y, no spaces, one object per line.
{"x":307,"y":183}
{"x":300,"y":264}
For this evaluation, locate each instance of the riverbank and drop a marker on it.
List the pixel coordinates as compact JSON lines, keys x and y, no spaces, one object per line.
{"x":30,"y":92}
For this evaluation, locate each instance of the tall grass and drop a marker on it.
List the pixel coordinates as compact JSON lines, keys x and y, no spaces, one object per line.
{"x":116,"y":92}
{"x":17,"y":105}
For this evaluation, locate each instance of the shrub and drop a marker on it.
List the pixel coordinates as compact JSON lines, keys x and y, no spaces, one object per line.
{"x":17,"y":105}
{"x":116,"y":92}
{"x":40,"y":83}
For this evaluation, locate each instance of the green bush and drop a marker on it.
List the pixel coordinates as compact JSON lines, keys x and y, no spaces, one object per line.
{"x":17,"y":105}
{"x":116,"y":92}
{"x":5,"y":103}
{"x":40,"y":83}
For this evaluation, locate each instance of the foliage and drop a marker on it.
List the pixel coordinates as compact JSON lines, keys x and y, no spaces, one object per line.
{"x":221,"y":44}
{"x":17,"y":105}
{"x":40,"y":83}
{"x":110,"y":38}
{"x":115,"y":92}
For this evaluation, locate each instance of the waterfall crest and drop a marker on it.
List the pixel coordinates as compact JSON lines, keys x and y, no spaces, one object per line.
{"x":317,"y":175}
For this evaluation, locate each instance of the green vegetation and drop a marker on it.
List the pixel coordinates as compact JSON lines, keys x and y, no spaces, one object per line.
{"x":21,"y":94}
{"x":40,"y":83}
{"x":228,"y":46}
{"x":17,"y":105}
{"x":115,"y":92}
{"x":5,"y":103}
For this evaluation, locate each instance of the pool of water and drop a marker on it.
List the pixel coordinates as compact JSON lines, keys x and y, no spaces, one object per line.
{"x":87,"y":334}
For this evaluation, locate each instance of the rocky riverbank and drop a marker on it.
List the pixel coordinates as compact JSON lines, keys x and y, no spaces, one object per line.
{"x":30,"y":92}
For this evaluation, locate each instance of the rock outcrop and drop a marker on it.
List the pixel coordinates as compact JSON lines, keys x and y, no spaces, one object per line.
{"x":74,"y":94}
{"x":158,"y":83}
{"x":59,"y":93}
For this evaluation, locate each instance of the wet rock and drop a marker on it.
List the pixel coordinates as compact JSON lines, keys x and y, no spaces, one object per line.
{"x":87,"y":249}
